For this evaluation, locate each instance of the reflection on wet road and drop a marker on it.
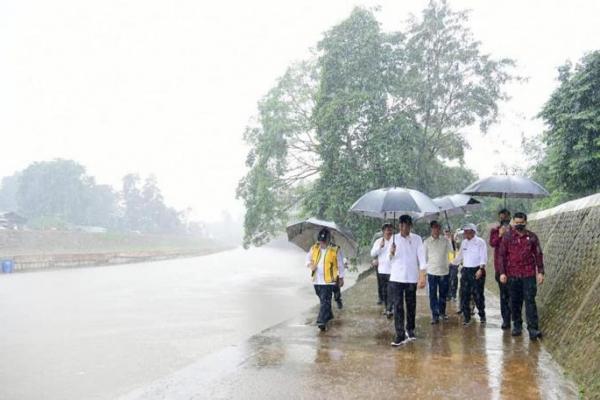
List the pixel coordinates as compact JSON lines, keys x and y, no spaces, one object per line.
{"x":96,"y":333}
{"x":353,"y":360}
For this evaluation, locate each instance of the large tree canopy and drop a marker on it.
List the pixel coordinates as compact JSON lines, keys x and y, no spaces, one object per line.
{"x":370,"y":109}
{"x":570,"y":164}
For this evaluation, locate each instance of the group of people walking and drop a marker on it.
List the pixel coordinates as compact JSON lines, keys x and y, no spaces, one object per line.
{"x":406,"y":263}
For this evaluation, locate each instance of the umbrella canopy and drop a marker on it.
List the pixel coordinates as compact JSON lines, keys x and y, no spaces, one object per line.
{"x":506,"y":186}
{"x":304,"y":234}
{"x":392,"y":202}
{"x":456,"y":204}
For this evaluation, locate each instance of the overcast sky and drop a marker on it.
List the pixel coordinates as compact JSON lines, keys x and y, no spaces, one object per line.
{"x":166,"y":87}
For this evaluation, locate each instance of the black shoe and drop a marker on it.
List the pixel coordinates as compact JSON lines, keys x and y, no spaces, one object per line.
{"x":516,"y":331}
{"x":389,"y":314}
{"x":482,"y":320}
{"x":340,"y":305}
{"x":399,"y":341}
{"x":466,"y":322}
{"x":322,"y":327}
{"x":411,"y":335}
{"x":534,"y":334}
{"x":505,"y":326}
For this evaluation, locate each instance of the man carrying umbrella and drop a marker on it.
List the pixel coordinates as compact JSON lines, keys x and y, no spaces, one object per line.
{"x":521,"y":263}
{"x":327,"y":268}
{"x":381,"y":251}
{"x":496,"y":235}
{"x":473,"y":255}
{"x":407,"y":272}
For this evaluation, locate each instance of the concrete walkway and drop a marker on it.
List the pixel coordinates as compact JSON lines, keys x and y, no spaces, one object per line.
{"x":354,"y":360}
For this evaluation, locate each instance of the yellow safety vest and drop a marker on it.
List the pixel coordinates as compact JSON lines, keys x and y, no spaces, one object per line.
{"x":330,"y":264}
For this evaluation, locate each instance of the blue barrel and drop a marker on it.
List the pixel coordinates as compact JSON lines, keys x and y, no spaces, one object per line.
{"x":8,"y":266}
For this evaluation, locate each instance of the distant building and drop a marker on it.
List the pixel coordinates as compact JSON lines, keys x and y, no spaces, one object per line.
{"x":11,"y":220}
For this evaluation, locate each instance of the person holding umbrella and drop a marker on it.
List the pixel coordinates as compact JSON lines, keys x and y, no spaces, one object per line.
{"x":496,"y":235}
{"x":327,"y":268}
{"x":381,"y":251}
{"x":522,"y":266}
{"x":408,"y":268}
{"x":473,"y":255}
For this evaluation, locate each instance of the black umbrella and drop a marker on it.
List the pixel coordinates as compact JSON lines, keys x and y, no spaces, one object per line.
{"x":304,"y":234}
{"x":391,"y":202}
{"x":505,"y":186}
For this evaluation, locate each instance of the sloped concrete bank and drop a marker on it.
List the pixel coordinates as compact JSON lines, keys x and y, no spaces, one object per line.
{"x":569,"y":299}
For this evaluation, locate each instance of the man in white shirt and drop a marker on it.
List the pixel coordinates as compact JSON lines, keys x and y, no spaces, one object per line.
{"x":473,"y":255}
{"x":437,"y":248}
{"x":381,"y":250}
{"x":407,"y":271}
{"x":327,"y":268}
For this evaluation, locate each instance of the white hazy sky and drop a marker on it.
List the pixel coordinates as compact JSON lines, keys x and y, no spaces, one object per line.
{"x":166,"y":87}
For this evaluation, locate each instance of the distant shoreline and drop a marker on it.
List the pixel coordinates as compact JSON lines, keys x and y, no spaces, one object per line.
{"x":46,"y":250}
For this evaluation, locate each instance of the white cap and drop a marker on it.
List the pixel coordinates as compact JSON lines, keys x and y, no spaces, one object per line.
{"x":470,"y":227}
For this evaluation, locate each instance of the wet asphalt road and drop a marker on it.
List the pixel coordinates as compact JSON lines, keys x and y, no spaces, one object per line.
{"x":97,"y":333}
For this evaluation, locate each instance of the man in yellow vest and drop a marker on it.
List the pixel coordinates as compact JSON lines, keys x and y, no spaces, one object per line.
{"x":327,"y":268}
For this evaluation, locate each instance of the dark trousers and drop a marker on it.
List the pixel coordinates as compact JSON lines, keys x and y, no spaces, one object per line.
{"x":438,"y":290}
{"x":453,"y":282}
{"x":471,"y":288}
{"x":523,"y":290}
{"x":504,"y":300}
{"x":324,"y":292}
{"x":385,"y":290}
{"x":404,"y":294}
{"x":337,"y":292}
{"x":379,"y":287}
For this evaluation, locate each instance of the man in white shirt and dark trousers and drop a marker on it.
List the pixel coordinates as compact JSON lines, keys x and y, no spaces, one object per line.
{"x":407,"y":272}
{"x":381,"y":250}
{"x":437,"y":248}
{"x":473,"y":255}
{"x":327,"y":267}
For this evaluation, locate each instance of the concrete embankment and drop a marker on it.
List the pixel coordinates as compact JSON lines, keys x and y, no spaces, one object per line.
{"x":354,"y":360}
{"x":40,"y":250}
{"x":569,"y":299}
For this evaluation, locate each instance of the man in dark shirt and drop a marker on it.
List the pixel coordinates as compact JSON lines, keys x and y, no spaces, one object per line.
{"x":522,"y":266}
{"x":495,"y":239}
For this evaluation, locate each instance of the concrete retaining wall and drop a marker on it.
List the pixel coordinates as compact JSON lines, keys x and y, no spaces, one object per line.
{"x":569,"y":299}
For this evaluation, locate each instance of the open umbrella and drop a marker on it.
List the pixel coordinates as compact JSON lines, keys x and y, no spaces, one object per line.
{"x":391,"y":202}
{"x":505,"y":186}
{"x":304,"y":235}
{"x":456,"y":204}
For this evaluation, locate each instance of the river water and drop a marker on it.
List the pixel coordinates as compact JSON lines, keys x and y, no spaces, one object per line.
{"x":96,"y":333}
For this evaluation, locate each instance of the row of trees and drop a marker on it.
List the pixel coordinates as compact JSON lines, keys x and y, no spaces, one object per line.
{"x":370,"y":109}
{"x":60,"y":192}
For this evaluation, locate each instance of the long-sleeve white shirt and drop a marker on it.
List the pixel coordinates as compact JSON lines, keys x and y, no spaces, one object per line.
{"x":408,"y":259}
{"x":472,"y":253}
{"x":320,"y":274}
{"x":383,"y":255}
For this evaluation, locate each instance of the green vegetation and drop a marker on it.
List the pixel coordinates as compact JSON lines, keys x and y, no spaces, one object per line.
{"x":568,"y":157}
{"x":59,"y":193}
{"x":370,"y":109}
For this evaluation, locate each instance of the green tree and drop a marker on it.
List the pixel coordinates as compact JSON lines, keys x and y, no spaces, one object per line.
{"x":371,"y":109}
{"x":54,"y":189}
{"x":570,"y":165}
